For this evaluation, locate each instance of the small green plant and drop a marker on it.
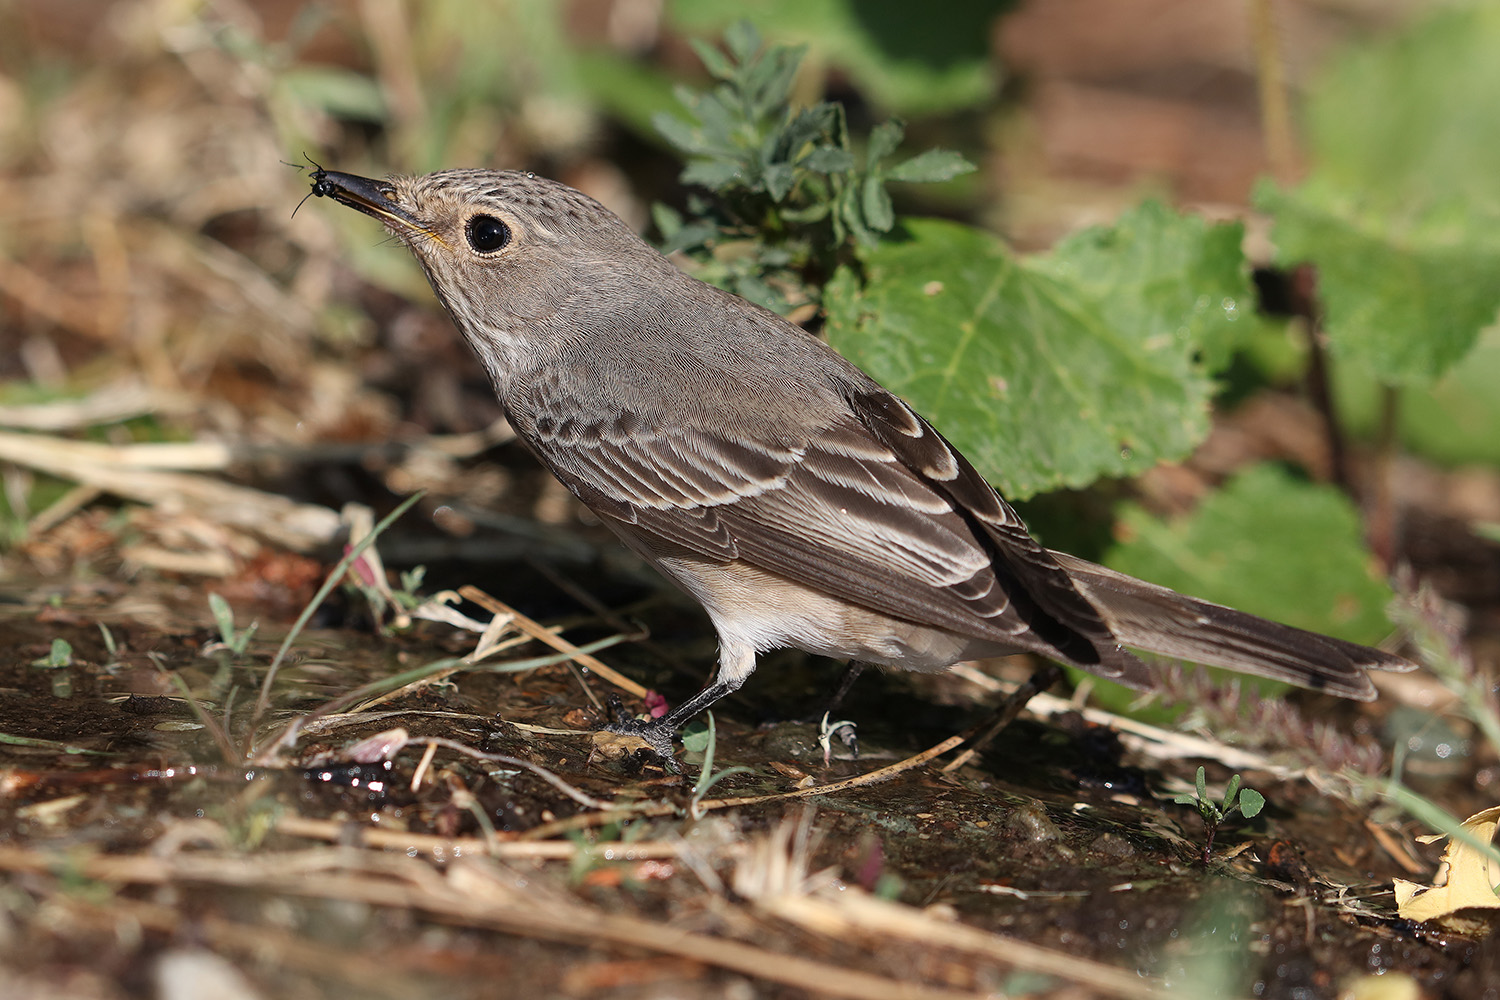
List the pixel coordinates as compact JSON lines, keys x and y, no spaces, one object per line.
{"x":390,"y":606}
{"x":787,"y":194}
{"x":59,"y":657}
{"x":234,"y":641}
{"x":702,"y":742}
{"x":1245,"y":801}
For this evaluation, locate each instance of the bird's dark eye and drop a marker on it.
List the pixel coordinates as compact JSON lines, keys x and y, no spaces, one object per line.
{"x":487,"y":233}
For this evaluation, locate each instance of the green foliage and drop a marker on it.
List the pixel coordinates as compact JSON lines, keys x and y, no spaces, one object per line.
{"x":1401,"y":213}
{"x":905,"y":61}
{"x":788,"y":195}
{"x":704,"y":742}
{"x":1056,"y":369}
{"x":1269,"y":544}
{"x":1455,"y":420}
{"x":231,"y":640}
{"x":1247,"y":802}
{"x":59,"y":655}
{"x":58,"y":659}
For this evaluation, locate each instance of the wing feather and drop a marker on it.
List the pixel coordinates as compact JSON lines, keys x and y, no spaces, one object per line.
{"x":873,"y":507}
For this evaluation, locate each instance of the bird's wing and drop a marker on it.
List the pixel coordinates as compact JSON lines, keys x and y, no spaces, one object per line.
{"x":862,"y":508}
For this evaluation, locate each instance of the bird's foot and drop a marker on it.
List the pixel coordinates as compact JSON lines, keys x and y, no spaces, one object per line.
{"x":842,"y":728}
{"x":655,"y":736}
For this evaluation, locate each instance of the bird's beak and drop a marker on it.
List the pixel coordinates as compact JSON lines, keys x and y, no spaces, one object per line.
{"x":371,"y":197}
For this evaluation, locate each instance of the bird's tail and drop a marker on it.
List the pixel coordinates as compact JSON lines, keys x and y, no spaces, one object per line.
{"x":1157,"y":620}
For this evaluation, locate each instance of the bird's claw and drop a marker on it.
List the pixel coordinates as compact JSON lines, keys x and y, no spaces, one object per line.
{"x":844,"y":729}
{"x":657,"y":736}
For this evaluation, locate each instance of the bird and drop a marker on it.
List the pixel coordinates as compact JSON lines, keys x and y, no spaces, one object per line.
{"x":801,"y":503}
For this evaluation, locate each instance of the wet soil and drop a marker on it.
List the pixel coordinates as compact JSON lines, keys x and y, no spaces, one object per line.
{"x":1052,"y":836}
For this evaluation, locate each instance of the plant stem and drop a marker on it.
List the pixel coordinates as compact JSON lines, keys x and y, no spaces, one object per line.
{"x":1380,"y":521}
{"x":1275,"y":107}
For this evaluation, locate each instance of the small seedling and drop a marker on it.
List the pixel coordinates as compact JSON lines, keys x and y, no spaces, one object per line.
{"x":236,"y":642}
{"x":58,"y":657}
{"x":704,"y":742}
{"x":391,"y":607}
{"x":1245,"y":801}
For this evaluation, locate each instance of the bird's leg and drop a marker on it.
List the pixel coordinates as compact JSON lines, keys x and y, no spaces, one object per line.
{"x":843,"y":728}
{"x":659,"y":734}
{"x":736,"y":662}
{"x":1005,"y":713}
{"x":846,"y":683}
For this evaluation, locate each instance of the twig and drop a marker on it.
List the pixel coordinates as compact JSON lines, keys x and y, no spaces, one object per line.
{"x":602,"y":611}
{"x":1140,"y":737}
{"x":358,"y":835}
{"x":854,"y":913}
{"x":536,"y":769}
{"x":1040,"y":680}
{"x":542,"y":634}
{"x":448,"y":898}
{"x":585,"y":820}
{"x":134,"y":472}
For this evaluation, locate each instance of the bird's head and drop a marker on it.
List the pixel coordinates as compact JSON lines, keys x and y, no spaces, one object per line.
{"x":514,"y":257}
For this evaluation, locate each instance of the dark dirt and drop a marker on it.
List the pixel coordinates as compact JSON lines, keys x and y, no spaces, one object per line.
{"x":1051,"y":836}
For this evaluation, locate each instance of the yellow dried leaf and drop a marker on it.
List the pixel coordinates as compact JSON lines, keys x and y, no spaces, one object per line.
{"x":1466,"y":877}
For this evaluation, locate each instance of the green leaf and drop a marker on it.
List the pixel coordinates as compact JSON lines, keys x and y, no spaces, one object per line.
{"x":1455,"y":421}
{"x":667,"y":219}
{"x":1401,"y":212}
{"x":223,"y":616}
{"x":676,"y":131}
{"x":1404,"y":301}
{"x":1269,"y":544}
{"x":1051,"y":370}
{"x":713,"y":60}
{"x":779,"y":178}
{"x":879,"y":214}
{"x":810,"y":125}
{"x":850,"y":214}
{"x":1202,"y":782}
{"x":827,"y":160}
{"x":934,"y":165}
{"x":771,"y":85}
{"x":1251,"y":803}
{"x":940,"y":63}
{"x":884,"y":139}
{"x":742,"y":39}
{"x":1230,"y":790}
{"x":712,"y":174}
{"x":696,"y":740}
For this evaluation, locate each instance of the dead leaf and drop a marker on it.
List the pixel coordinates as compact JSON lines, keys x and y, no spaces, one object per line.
{"x":1466,"y":877}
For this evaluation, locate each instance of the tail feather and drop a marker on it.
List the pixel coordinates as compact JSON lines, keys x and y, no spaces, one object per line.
{"x":1157,"y":620}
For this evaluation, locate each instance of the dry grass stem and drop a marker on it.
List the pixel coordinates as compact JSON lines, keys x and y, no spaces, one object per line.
{"x":362,"y":877}
{"x":543,"y":634}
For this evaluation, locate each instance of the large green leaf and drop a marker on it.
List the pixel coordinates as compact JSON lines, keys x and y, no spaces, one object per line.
{"x":1052,"y":370}
{"x":905,"y":61}
{"x":1401,"y":212}
{"x":1269,"y":544}
{"x":1456,"y":420}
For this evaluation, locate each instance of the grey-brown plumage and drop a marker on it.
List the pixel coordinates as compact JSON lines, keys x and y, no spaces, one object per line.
{"x":802,"y":504}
